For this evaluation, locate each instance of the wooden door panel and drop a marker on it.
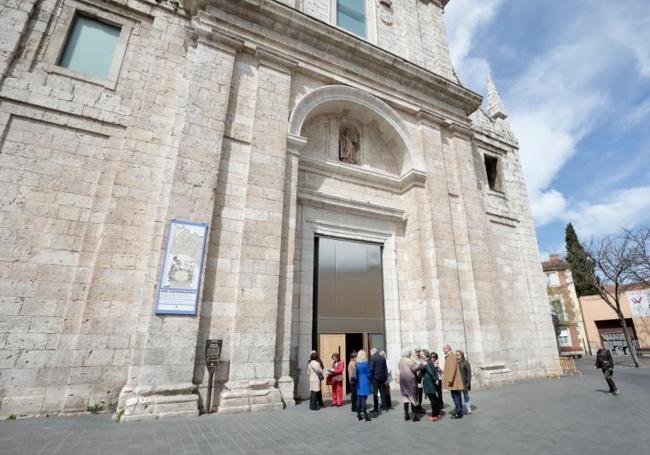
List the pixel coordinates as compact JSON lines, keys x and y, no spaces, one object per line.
{"x":328,"y":345}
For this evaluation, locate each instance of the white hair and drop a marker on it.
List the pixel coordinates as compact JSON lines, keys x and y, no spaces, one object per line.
{"x":373,"y":351}
{"x":406,"y":353}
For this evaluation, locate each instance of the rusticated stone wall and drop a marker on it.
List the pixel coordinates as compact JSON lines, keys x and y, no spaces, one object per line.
{"x":209,"y":118}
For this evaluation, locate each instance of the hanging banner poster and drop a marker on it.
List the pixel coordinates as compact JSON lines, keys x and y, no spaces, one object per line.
{"x":180,"y":279}
{"x":639,"y":302}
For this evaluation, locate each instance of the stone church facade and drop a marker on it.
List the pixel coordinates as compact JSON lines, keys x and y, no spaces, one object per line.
{"x":276,"y":123}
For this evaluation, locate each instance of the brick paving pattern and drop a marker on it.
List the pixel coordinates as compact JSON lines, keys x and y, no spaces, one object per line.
{"x":568,"y":415}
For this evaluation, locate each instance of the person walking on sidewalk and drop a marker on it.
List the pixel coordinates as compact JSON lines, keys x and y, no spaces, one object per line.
{"x":378,"y":376}
{"x":453,"y":381}
{"x":605,"y":362}
{"x":466,"y":375}
{"x":352,"y":377}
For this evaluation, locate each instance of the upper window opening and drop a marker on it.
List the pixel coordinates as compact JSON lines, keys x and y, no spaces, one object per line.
{"x":351,"y":15}
{"x":492,"y":170}
{"x":90,"y":47}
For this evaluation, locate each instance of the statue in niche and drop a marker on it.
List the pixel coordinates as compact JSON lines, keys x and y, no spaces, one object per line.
{"x":349,"y":145}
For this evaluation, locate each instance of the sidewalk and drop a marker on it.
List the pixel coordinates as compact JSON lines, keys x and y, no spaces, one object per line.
{"x":570,"y":415}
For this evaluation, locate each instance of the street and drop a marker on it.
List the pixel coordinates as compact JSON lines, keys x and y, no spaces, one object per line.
{"x":555,"y":416}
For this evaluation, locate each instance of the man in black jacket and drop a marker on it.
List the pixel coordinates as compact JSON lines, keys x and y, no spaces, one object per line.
{"x":378,"y":376}
{"x":605,"y":362}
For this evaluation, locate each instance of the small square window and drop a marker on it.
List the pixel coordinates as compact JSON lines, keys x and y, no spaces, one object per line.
{"x":90,"y":47}
{"x":351,"y":15}
{"x":492,"y":171}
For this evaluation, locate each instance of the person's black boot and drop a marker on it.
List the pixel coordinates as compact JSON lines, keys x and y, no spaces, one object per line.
{"x":415,"y":415}
{"x":359,"y":416}
{"x":367,"y":417}
{"x":406,"y":412}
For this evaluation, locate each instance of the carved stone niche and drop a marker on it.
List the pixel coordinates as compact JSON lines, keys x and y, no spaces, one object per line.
{"x":349,"y":144}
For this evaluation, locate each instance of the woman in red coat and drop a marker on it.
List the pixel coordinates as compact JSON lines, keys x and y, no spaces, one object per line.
{"x":336,"y":379}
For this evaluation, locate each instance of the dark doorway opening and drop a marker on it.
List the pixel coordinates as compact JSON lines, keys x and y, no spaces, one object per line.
{"x":353,"y":342}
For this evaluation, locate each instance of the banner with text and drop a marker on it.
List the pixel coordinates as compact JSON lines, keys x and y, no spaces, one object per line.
{"x":180,"y":279}
{"x":639,"y":302}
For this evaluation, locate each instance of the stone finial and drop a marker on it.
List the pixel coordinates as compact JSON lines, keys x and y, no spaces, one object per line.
{"x":495,"y":106}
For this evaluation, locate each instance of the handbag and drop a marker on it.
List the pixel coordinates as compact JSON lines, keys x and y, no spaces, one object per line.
{"x":318,"y":373}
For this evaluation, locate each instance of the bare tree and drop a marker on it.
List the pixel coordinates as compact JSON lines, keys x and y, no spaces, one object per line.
{"x":640,"y":240}
{"x":616,"y":262}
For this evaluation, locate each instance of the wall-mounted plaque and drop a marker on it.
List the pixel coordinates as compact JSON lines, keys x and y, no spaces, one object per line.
{"x":180,"y":279}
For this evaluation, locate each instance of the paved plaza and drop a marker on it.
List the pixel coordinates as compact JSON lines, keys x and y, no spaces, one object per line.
{"x":556,"y":416}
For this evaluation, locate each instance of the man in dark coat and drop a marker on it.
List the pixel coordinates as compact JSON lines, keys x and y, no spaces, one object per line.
{"x":466,"y":374}
{"x":605,"y":362}
{"x":378,"y":376}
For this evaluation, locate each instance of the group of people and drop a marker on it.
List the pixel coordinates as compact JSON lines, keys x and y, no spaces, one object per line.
{"x":419,"y":374}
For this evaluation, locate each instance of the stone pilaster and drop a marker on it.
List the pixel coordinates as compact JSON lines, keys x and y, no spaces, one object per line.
{"x":160,"y":378}
{"x":14,"y":21}
{"x":251,"y":383}
{"x":285,"y":316}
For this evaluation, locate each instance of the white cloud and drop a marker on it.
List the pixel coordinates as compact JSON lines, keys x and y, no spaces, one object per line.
{"x":548,"y":206}
{"x":629,"y":25}
{"x":553,"y":105}
{"x":628,"y":207}
{"x":638,"y":114}
{"x":563,"y":95}
{"x":463,"y":19}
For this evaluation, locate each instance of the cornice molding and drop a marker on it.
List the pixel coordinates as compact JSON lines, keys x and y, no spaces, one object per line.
{"x":317,"y":199}
{"x":202,"y":33}
{"x":273,"y":59}
{"x":502,"y":219}
{"x":365,"y":177}
{"x":246,"y":17}
{"x":295,"y":144}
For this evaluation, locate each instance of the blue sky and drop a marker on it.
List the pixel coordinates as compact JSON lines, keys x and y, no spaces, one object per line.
{"x":575,"y":78}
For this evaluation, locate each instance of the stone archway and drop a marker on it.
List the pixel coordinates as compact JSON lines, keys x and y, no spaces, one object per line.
{"x":342,"y":93}
{"x":336,"y":211}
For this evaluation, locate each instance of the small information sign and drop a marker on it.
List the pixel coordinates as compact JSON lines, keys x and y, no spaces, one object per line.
{"x":213,"y":352}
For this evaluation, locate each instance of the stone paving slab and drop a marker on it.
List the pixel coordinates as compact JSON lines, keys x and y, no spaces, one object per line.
{"x":569,"y":415}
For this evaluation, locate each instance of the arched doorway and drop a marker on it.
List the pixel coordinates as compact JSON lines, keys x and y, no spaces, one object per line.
{"x":357,"y":166}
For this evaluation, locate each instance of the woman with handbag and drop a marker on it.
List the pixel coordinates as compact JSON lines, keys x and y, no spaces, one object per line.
{"x":315,"y":372}
{"x":363,"y":385}
{"x":335,"y":379}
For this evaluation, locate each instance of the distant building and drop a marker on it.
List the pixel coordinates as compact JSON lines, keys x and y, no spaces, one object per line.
{"x":603,"y":326}
{"x":565,"y":304}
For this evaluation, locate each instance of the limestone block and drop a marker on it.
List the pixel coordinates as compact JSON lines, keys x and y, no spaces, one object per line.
{"x":286,"y":387}
{"x":149,"y":403}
